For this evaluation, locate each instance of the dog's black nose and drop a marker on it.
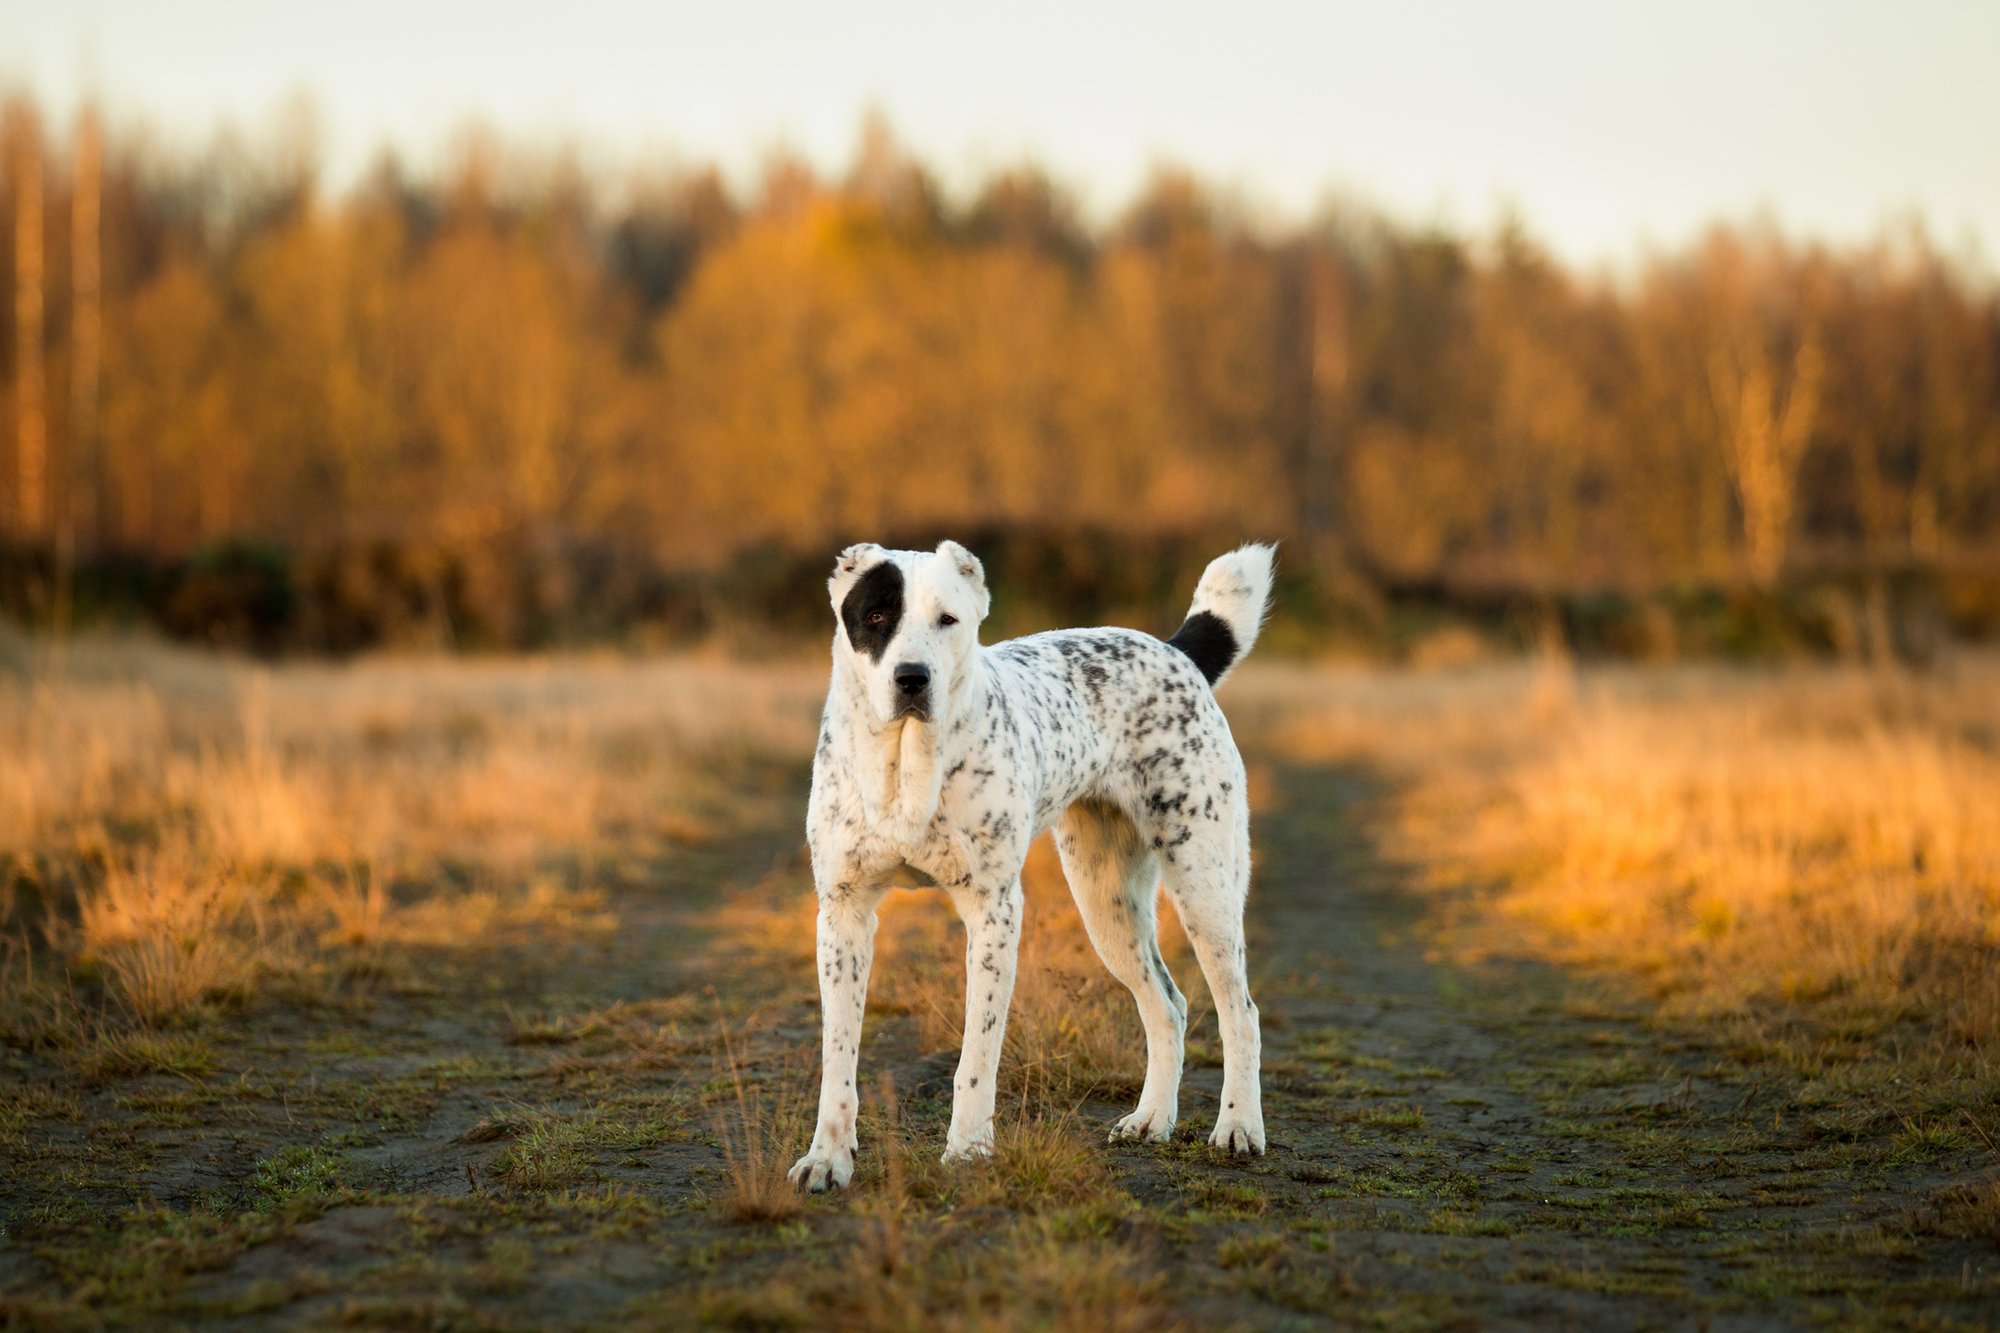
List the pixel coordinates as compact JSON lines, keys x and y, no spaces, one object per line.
{"x":913,"y":678}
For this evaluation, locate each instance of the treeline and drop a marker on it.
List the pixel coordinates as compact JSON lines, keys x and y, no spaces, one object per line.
{"x":522,"y":401}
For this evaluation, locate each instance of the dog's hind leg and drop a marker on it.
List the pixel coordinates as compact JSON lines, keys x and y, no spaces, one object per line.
{"x":1209,"y":880}
{"x":846,"y":953}
{"x":992,"y":918}
{"x":1115,"y":879}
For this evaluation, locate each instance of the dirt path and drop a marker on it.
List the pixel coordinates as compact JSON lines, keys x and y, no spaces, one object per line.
{"x":523,"y":1137}
{"x":1502,"y":1147}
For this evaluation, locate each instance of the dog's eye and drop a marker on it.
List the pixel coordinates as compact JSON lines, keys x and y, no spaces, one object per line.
{"x":876,"y":617}
{"x":947,"y":619}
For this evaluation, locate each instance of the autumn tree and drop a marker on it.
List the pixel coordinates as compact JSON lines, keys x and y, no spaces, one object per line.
{"x":23,"y":135}
{"x":531,"y":380}
{"x":1765,"y":367}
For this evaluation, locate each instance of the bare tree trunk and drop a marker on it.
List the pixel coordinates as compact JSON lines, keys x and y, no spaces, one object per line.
{"x":30,"y":415}
{"x":1318,"y":321}
{"x":86,"y":331}
{"x":76,"y":495}
{"x":135,"y":492}
{"x":1764,"y":442}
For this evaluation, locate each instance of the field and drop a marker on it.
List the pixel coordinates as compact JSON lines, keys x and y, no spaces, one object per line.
{"x":478,"y":994}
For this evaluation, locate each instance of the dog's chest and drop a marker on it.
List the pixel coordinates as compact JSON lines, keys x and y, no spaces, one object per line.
{"x":938,"y":861}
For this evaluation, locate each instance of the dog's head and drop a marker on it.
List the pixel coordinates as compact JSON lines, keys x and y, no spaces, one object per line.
{"x":909,"y":625}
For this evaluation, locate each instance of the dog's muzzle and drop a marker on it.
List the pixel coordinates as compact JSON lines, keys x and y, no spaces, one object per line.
{"x":913,"y":690}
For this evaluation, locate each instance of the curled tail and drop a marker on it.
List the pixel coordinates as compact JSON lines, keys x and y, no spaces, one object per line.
{"x":1228,"y":610}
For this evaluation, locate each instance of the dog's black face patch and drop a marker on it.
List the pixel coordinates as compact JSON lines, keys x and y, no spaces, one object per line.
{"x":873,"y":609}
{"x":1206,"y":638}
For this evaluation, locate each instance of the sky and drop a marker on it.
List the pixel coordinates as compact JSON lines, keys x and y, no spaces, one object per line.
{"x":1609,"y":128}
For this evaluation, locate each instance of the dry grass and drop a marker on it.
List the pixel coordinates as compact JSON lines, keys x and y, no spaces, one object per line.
{"x":1815,"y":848}
{"x":180,"y":827}
{"x":168,"y":931}
{"x":1042,"y":1161}
{"x":1072,"y":1029}
{"x":886,"y":1242}
{"x":1012,"y":1242}
{"x":1030,"y":1274}
{"x":500,"y":760}
{"x":1815,"y":842}
{"x":1971,"y":1211}
{"x":1766,"y":851}
{"x":760,"y":1137}
{"x":1802,"y":857}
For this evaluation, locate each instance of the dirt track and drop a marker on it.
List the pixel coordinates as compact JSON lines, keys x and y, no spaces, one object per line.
{"x":1505,"y":1146}
{"x":519,"y":1138}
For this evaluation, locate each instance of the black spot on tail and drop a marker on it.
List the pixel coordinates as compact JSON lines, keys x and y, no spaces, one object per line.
{"x":1208,"y":641}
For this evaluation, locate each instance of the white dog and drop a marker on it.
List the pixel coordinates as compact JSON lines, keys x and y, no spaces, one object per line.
{"x":940,"y":760}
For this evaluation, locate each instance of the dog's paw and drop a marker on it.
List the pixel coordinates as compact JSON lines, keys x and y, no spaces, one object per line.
{"x":972,"y":1150}
{"x":823,"y":1169}
{"x":1154,"y":1126}
{"x":1239,"y":1136}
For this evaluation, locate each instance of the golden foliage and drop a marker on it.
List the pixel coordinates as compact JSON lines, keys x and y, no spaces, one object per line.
{"x":511,"y":356}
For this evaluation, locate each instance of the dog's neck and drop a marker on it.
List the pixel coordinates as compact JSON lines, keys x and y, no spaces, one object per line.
{"x":897,"y":768}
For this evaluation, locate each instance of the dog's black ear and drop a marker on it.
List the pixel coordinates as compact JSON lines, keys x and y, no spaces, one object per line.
{"x":970,"y":570}
{"x":850,"y":565}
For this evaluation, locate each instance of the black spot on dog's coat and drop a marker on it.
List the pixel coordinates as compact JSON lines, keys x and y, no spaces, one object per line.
{"x":1208,"y":641}
{"x":878,"y":592}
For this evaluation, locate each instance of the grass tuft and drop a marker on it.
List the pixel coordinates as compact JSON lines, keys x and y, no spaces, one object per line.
{"x":759,"y":1137}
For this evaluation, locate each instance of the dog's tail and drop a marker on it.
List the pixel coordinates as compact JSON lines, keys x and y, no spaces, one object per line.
{"x":1229,"y":607}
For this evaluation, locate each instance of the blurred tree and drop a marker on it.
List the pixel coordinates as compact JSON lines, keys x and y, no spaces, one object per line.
{"x":86,"y":331}
{"x":668,"y":228}
{"x":1764,"y":369}
{"x":31,"y":497}
{"x":1022,"y":208}
{"x":1416,"y":489}
{"x":325,"y":382}
{"x":1316,"y":309}
{"x":1201,"y":313}
{"x":517,"y":387}
{"x":1549,"y":359}
{"x":169,"y":415}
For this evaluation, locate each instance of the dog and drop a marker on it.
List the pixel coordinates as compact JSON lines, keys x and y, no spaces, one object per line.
{"x":940,"y":759}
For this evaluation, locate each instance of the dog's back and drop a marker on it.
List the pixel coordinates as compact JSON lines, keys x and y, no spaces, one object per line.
{"x":1120,"y":716}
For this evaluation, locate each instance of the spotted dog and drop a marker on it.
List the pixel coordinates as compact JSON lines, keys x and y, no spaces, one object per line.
{"x":940,"y":759}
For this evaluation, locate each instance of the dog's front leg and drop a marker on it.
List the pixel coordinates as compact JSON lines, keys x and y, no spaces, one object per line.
{"x":992,"y":941}
{"x":846,"y":951}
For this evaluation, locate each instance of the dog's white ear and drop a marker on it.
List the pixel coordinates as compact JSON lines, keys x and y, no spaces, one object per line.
{"x":970,"y":570}
{"x":849,"y":566}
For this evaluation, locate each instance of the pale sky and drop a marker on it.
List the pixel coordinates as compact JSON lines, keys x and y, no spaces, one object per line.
{"x":1606,"y":126}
